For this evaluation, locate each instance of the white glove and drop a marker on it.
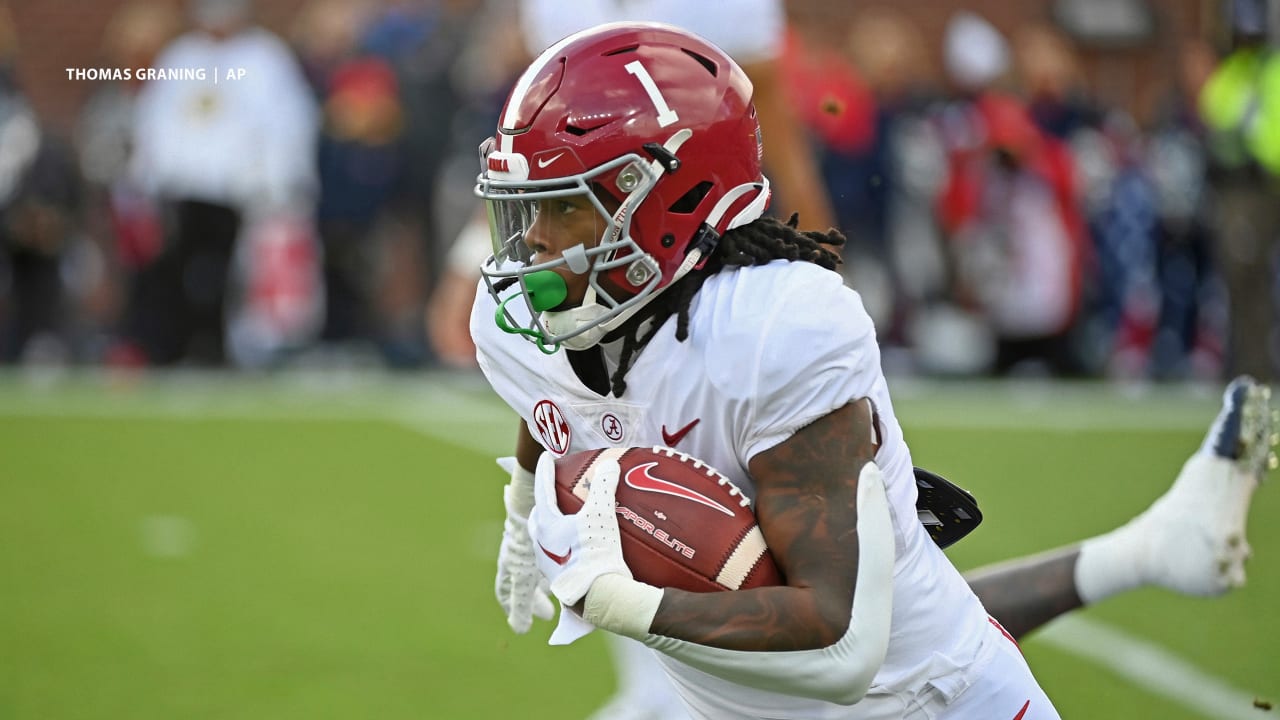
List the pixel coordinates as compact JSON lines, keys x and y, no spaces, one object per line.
{"x":573,"y":550}
{"x":521,"y":590}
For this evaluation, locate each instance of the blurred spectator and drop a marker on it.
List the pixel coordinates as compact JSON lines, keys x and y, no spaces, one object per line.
{"x":1119,"y":302}
{"x":400,"y":28}
{"x":1009,"y":209}
{"x":1122,"y":292}
{"x":1190,"y":336}
{"x":442,"y":126}
{"x":866,"y":103}
{"x":482,"y":75}
{"x":361,"y":159}
{"x":1052,"y":81}
{"x":39,"y":204}
{"x":230,"y":162}
{"x":836,"y":105}
{"x":1240,"y":104}
{"x":327,"y":33}
{"x":888,"y":48}
{"x":121,"y":220}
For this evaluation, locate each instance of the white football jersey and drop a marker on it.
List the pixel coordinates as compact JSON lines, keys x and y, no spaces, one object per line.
{"x":770,"y":350}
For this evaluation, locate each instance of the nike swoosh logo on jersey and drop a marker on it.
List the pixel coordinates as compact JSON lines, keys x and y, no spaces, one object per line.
{"x":557,"y":559}
{"x":672,"y":438}
{"x":640,"y":478}
{"x":543,"y":162}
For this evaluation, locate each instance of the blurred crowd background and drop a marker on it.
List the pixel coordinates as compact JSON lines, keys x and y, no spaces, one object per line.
{"x":1080,"y":188}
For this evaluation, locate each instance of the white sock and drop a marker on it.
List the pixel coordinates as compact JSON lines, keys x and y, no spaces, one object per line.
{"x":1112,"y":563}
{"x":1191,"y":539}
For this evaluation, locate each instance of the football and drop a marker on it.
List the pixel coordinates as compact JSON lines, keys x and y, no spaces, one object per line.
{"x":683,"y":524}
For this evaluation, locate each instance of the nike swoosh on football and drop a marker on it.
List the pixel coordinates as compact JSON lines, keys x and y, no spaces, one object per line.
{"x":672,"y":438}
{"x":640,"y":478}
{"x":543,"y":162}
{"x":557,"y":559}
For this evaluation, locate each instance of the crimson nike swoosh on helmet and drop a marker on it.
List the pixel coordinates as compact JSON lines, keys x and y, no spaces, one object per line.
{"x":640,"y":478}
{"x":557,"y":559}
{"x":672,"y":438}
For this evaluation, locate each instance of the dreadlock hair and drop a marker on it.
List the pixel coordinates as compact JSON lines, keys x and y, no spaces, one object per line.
{"x":756,"y":243}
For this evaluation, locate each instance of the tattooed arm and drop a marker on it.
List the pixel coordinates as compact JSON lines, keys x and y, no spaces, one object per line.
{"x":822,"y":507}
{"x":805,"y":504}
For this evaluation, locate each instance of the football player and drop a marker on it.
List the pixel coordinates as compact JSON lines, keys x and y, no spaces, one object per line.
{"x":638,"y":295}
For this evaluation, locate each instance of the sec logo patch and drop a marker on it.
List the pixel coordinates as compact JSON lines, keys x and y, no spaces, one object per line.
{"x":551,"y":428}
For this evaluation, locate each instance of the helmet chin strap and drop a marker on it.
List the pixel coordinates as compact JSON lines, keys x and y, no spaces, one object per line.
{"x":750,"y":213}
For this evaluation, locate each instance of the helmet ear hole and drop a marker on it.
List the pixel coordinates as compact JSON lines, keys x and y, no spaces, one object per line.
{"x":691,"y":199}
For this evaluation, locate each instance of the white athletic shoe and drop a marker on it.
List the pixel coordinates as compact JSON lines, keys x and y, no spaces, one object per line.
{"x":1192,"y":539}
{"x":1198,"y":526}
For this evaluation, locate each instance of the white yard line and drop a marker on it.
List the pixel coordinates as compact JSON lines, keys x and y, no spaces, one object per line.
{"x":477,"y":437}
{"x":1150,"y":667}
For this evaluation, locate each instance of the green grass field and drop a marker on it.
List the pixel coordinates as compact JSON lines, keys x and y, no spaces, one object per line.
{"x":323,"y":547}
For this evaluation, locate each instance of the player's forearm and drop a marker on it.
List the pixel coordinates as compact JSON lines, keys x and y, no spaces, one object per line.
{"x":1025,"y":594}
{"x":825,"y":634}
{"x":807,"y":507}
{"x":763,"y":620}
{"x":839,"y":672}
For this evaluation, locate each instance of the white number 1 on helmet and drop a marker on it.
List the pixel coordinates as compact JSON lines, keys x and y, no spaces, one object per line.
{"x":666,"y":115}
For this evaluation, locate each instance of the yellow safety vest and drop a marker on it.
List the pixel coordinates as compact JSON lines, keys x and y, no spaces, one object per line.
{"x":1240,"y":104}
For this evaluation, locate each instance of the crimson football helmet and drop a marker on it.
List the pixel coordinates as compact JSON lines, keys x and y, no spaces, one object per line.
{"x":655,"y":127}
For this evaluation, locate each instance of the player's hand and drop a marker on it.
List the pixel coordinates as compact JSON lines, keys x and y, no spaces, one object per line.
{"x":520,"y":588}
{"x":573,"y":550}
